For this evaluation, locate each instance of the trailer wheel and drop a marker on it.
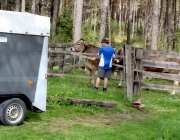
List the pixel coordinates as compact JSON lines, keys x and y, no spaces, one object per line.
{"x":1,"y":106}
{"x":12,"y":112}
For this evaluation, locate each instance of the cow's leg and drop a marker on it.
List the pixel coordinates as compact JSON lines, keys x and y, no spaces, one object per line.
{"x":92,"y":74}
{"x":176,"y":83}
{"x":121,"y":76}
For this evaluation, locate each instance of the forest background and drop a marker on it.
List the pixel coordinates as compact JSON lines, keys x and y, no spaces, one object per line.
{"x":151,"y":24}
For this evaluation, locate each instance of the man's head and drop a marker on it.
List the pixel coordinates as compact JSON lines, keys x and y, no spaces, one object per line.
{"x":105,"y":40}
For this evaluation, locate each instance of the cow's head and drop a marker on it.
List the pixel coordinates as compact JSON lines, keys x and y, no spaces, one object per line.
{"x":119,"y":53}
{"x":79,"y":46}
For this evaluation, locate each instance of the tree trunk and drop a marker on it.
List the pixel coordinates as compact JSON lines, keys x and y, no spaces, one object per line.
{"x":120,"y":18}
{"x":33,"y":6}
{"x":23,"y":3}
{"x":17,"y":6}
{"x":169,"y":26}
{"x":175,"y":24}
{"x":60,"y":7}
{"x":103,"y":19}
{"x":133,"y":19}
{"x":161,"y":15}
{"x":147,"y":25}
{"x":55,"y":15}
{"x":129,"y":23}
{"x":155,"y":24}
{"x":2,"y":4}
{"x":125,"y":13}
{"x":109,"y":25}
{"x":95,"y":18}
{"x":38,"y":7}
{"x":77,"y":21}
{"x":43,"y":7}
{"x":48,"y":8}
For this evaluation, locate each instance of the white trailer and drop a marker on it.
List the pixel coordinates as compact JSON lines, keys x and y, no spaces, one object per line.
{"x":23,"y":65}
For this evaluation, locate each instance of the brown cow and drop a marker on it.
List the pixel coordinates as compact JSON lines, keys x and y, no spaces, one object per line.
{"x":92,"y":66}
{"x":83,"y":47}
{"x":119,"y":61}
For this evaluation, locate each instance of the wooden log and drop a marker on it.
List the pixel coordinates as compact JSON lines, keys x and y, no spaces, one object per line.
{"x":92,"y":102}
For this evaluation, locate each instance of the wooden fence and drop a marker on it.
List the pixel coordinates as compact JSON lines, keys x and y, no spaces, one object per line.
{"x":136,"y":58}
{"x":61,"y":59}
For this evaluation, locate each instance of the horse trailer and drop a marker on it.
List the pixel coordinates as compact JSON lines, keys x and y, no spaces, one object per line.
{"x":23,"y":65}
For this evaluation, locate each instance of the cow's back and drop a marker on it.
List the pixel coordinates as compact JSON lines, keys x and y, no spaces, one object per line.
{"x":89,"y":64}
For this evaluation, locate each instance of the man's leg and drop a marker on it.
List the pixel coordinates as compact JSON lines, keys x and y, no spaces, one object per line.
{"x":101,"y":73}
{"x":105,"y":82}
{"x":98,"y":80}
{"x":107,"y":76}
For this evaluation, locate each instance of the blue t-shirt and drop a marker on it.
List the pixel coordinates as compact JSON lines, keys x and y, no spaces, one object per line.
{"x":106,"y":53}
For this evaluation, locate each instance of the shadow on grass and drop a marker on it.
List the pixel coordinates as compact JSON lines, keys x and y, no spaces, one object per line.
{"x":33,"y":116}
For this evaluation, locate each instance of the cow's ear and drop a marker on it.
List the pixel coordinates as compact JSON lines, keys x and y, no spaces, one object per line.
{"x":86,"y":43}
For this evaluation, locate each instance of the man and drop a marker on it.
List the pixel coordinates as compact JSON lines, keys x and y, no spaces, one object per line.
{"x":105,"y":54}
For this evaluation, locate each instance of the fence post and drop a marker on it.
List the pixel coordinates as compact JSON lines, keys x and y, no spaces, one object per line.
{"x":61,"y":67}
{"x":51,"y":58}
{"x":138,"y":55}
{"x":128,"y":71}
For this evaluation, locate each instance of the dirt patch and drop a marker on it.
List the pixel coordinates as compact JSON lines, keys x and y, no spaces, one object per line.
{"x":100,"y":120}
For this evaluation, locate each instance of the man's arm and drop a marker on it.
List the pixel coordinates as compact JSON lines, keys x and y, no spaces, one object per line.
{"x":95,"y":58}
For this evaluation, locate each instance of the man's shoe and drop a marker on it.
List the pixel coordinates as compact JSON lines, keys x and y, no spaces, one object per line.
{"x":104,"y":89}
{"x":95,"y":89}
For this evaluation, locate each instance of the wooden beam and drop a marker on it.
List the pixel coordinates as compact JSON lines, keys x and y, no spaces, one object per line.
{"x":69,"y":75}
{"x":160,"y":87}
{"x":161,"y":64}
{"x":75,"y":76}
{"x":129,"y":73}
{"x":161,"y":54}
{"x":168,"y":76}
{"x":58,"y":45}
{"x":92,"y":102}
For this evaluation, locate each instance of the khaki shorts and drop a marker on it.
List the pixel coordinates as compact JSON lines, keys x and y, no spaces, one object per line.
{"x":104,"y":73}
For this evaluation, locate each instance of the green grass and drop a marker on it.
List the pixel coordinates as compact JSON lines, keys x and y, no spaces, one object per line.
{"x":160,"y":120}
